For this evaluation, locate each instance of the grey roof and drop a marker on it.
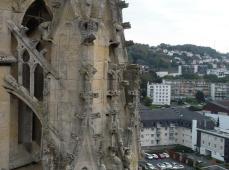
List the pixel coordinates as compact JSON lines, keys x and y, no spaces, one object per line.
{"x":177,"y":113}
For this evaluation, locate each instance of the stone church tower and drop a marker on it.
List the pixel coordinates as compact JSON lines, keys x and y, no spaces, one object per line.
{"x":68,"y":97}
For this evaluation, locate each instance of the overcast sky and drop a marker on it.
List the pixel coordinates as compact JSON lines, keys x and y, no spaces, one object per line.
{"x":200,"y":22}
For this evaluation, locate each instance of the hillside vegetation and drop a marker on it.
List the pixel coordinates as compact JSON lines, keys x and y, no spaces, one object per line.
{"x":157,"y":58}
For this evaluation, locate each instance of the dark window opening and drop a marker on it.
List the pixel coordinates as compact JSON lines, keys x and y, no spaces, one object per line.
{"x":26,"y":76}
{"x":35,"y":15}
{"x":26,"y":56}
{"x":38,"y":82}
{"x":36,"y":131}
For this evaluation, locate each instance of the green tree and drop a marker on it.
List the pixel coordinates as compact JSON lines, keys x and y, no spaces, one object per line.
{"x":147,"y":101}
{"x":150,"y":77}
{"x":217,"y":123}
{"x":200,"y":96}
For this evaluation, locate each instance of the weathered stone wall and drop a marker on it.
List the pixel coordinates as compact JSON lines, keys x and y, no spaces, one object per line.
{"x":89,"y":108}
{"x":4,"y":120}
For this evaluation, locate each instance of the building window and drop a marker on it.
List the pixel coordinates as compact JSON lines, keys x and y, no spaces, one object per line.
{"x":165,"y":134}
{"x":221,"y":147}
{"x":215,"y":145}
{"x":152,"y":141}
{"x":221,"y":140}
{"x":152,"y":135}
{"x":203,"y":141}
{"x":209,"y":144}
{"x":166,"y":128}
{"x":176,"y":134}
{"x":158,"y":135}
{"x":142,"y":136}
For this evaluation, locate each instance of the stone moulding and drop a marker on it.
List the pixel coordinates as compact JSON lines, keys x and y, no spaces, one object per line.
{"x":4,"y":59}
{"x":29,"y":45}
{"x":20,"y":92}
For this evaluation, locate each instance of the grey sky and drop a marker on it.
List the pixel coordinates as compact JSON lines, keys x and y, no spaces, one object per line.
{"x":200,"y":22}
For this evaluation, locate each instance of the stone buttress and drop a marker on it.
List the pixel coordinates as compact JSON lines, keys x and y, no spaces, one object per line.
{"x":70,"y":97}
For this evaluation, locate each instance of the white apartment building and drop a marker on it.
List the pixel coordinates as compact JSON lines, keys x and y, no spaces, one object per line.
{"x":218,"y":72}
{"x":214,"y":143}
{"x":162,"y":73}
{"x":219,"y":91}
{"x":159,"y":93}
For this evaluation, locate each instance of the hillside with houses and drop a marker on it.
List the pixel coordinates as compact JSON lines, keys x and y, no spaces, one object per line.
{"x":180,"y":59}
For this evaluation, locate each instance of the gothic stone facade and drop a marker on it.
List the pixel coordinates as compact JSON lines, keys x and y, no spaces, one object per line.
{"x":68,"y":97}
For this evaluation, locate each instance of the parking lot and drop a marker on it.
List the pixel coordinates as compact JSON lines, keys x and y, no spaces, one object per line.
{"x":169,"y":160}
{"x":156,"y":159}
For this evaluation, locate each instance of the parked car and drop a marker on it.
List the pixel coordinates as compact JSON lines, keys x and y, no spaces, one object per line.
{"x":177,"y":166}
{"x":161,"y":165}
{"x":150,"y":166}
{"x":168,"y":165}
{"x":155,"y":156}
{"x":162,"y":156}
{"x":199,"y":161}
{"x":166,"y":155}
{"x":148,"y":156}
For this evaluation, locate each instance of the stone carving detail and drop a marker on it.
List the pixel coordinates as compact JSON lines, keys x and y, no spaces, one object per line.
{"x":30,"y":46}
{"x":86,"y":122}
{"x":45,"y":29}
{"x":18,"y":5}
{"x":14,"y":88}
{"x":88,"y":29}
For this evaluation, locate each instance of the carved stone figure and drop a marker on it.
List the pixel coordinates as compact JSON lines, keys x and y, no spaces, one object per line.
{"x":45,"y":30}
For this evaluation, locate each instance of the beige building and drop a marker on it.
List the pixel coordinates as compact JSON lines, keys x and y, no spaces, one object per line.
{"x":68,"y":98}
{"x":214,"y":143}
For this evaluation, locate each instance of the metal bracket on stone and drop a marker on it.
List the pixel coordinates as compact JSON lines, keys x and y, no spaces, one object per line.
{"x":30,"y":47}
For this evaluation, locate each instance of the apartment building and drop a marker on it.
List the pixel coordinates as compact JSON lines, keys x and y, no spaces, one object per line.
{"x":214,"y":143}
{"x":219,"y":91}
{"x":159,"y":93}
{"x":187,"y":69}
{"x":187,"y":88}
{"x":171,"y":126}
{"x":218,"y":72}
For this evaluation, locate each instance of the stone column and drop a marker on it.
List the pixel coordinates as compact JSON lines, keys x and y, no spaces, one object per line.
{"x":5,"y":35}
{"x":4,"y":120}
